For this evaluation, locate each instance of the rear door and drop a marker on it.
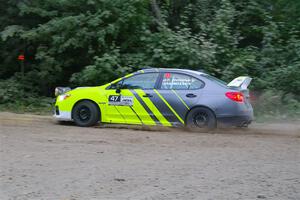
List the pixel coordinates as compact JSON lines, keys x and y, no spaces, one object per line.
{"x":176,"y":94}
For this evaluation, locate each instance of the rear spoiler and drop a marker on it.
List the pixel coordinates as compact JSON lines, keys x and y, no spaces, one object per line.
{"x":241,"y":82}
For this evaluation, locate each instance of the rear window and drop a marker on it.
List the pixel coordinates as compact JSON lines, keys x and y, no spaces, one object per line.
{"x":216,"y":80}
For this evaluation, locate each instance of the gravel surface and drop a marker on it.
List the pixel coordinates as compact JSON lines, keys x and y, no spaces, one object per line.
{"x":40,"y":159}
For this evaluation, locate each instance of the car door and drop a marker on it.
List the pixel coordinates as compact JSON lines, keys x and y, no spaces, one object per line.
{"x":177,"y":93}
{"x":127,"y":106}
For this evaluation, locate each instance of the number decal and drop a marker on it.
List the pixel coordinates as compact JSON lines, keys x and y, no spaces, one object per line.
{"x":114,"y":98}
{"x":118,"y":100}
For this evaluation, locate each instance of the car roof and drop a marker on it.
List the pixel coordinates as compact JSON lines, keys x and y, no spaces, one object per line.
{"x":188,"y":71}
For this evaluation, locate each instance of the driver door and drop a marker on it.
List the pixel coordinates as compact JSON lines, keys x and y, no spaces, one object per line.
{"x":125,"y":105}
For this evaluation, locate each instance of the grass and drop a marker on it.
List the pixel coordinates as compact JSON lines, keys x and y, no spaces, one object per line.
{"x":40,"y":106}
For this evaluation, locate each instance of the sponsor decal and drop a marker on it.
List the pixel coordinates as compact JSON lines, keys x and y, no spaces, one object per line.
{"x":178,"y":82}
{"x":119,"y":100}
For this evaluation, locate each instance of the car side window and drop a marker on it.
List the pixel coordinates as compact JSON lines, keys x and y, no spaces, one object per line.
{"x":177,"y":81}
{"x":140,"y":81}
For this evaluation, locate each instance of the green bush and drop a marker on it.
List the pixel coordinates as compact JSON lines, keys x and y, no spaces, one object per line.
{"x":276,"y":105}
{"x":14,"y":97}
{"x":10,"y":91}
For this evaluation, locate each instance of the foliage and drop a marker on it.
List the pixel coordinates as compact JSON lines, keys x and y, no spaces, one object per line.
{"x":10,"y":90}
{"x":103,"y":70}
{"x":274,"y":105}
{"x":13,"y":96}
{"x":91,"y":42}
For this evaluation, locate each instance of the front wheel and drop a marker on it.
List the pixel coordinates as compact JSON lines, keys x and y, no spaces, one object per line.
{"x":85,"y":114}
{"x":201,"y":118}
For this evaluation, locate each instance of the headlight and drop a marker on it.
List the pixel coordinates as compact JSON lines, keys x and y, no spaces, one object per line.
{"x":63,"y":97}
{"x":61,"y":90}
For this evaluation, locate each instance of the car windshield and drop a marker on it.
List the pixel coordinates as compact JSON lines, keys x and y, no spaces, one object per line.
{"x":220,"y":82}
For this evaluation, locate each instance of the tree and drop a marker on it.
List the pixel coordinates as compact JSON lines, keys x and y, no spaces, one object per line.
{"x":90,"y":42}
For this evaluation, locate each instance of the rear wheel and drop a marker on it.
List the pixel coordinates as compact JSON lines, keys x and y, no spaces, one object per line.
{"x":201,"y":118}
{"x":86,"y":113}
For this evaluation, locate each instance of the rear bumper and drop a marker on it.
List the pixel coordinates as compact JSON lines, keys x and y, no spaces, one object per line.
{"x":240,"y":121}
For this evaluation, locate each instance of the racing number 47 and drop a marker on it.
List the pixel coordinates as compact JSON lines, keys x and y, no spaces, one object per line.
{"x":114,"y":98}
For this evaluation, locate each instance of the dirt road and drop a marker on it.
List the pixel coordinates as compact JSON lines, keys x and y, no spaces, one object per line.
{"x":43,"y":160}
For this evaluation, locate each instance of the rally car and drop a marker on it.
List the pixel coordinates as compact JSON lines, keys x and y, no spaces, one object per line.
{"x":159,"y":96}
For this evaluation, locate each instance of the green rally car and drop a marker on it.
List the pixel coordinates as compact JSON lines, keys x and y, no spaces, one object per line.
{"x":166,"y":97}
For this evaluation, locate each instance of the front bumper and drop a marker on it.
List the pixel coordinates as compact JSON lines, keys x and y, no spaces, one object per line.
{"x":61,"y":115}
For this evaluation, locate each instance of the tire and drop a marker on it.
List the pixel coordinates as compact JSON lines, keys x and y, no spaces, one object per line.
{"x":85,"y":114}
{"x":201,"y":118}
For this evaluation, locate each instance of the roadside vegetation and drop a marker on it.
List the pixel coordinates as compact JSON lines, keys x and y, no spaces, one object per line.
{"x":276,"y":106}
{"x":90,"y":42}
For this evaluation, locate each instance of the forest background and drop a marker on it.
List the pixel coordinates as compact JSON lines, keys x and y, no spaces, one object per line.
{"x":91,"y":42}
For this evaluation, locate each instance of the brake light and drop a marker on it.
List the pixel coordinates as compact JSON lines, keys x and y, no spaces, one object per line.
{"x":235,"y":96}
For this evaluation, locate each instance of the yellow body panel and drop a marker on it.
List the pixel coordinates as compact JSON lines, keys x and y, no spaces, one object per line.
{"x":135,"y":114}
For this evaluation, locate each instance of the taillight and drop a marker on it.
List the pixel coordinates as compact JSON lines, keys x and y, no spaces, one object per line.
{"x":235,"y":96}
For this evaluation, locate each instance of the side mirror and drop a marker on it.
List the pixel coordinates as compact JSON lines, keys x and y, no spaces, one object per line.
{"x":118,"y":88}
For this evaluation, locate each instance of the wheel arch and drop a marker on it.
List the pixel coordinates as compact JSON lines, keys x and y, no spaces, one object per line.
{"x":81,"y":100}
{"x":199,"y":106}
